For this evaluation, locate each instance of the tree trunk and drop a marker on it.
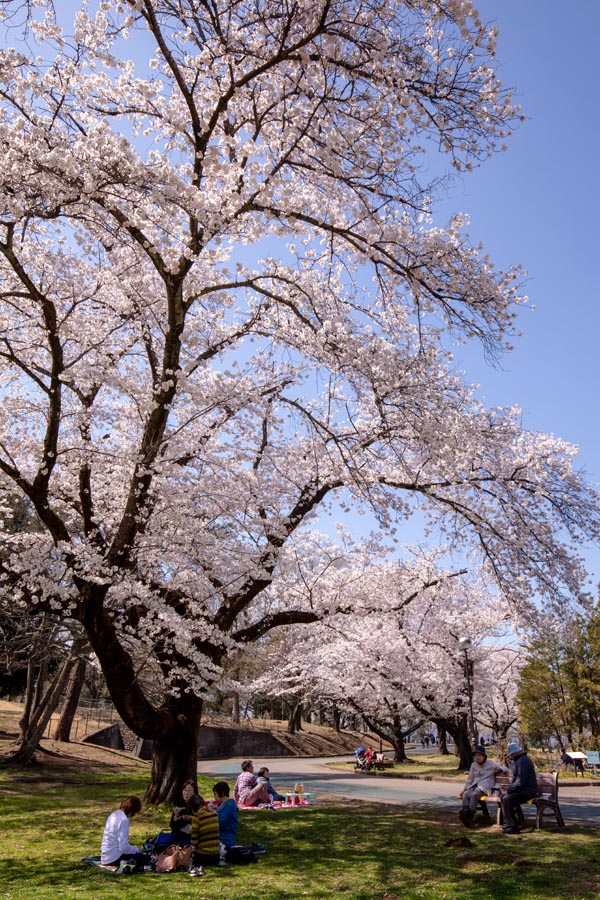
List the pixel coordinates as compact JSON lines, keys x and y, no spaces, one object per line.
{"x":29,"y":692}
{"x":459,"y":732}
{"x":399,"y":740}
{"x":235,"y":708}
{"x":40,"y":683}
{"x":298,"y":716}
{"x":295,"y":718}
{"x":74,"y":687}
{"x":25,"y":755}
{"x":175,"y":753}
{"x":336,"y":719}
{"x":443,"y":742}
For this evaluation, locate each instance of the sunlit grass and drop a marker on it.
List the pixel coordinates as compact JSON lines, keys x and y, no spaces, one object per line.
{"x":353,"y":850}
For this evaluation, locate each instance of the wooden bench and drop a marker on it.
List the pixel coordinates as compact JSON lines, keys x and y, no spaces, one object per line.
{"x":546,"y":803}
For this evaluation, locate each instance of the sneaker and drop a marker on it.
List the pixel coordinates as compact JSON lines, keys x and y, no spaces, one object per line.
{"x":196,"y":871}
{"x":258,"y":848}
{"x":223,"y":863}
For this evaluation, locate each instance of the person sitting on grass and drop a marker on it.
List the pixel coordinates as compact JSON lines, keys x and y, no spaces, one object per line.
{"x":480,"y":782}
{"x":181,"y":820}
{"x":115,"y":847}
{"x":227,"y":815}
{"x":263,"y":776}
{"x":205,"y":836}
{"x":247,"y":790}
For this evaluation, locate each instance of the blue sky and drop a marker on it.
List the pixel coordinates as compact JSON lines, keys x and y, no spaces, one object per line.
{"x":537,"y":204}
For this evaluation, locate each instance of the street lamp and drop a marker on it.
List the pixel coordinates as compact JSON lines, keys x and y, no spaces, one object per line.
{"x":465,"y":645}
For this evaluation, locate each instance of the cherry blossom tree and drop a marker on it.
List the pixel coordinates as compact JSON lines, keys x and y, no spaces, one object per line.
{"x":396,"y":659}
{"x":225,"y":303}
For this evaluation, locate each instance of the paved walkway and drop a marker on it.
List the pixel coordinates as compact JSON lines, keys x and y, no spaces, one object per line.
{"x":579,"y":804}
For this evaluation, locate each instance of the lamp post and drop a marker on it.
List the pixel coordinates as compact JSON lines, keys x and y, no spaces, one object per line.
{"x":465,"y":644}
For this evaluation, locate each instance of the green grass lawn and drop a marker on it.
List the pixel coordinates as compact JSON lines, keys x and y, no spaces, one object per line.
{"x":358,"y":851}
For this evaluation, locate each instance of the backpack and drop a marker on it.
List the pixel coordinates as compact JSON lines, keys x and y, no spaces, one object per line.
{"x":240,"y":856}
{"x":159,"y":843}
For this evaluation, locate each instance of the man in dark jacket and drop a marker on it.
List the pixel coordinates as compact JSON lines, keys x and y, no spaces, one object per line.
{"x":523,"y":787}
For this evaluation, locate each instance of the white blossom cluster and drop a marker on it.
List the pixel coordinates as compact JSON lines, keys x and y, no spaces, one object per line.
{"x":224,"y":300}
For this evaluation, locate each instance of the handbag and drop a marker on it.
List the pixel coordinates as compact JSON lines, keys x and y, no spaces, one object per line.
{"x":174,"y":858}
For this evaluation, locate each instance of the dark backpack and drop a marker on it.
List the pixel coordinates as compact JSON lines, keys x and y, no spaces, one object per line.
{"x":240,"y":856}
{"x":159,"y":843}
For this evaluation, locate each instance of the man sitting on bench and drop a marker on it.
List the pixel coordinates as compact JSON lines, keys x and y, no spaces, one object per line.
{"x":524,"y":787}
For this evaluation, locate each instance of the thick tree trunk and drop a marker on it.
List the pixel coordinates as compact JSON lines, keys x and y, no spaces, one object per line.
{"x":73,"y":693}
{"x":295,"y":718}
{"x":337,"y":719}
{"x":459,"y":732}
{"x":399,"y":740}
{"x":175,"y":753}
{"x":443,"y":742}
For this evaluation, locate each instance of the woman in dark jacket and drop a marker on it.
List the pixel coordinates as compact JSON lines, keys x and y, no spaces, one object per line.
{"x":181,"y":820}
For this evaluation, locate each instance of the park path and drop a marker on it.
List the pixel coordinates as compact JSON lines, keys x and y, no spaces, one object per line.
{"x":578,"y":804}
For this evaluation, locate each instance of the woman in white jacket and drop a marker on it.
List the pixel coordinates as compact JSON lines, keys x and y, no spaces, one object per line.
{"x":480,"y":782}
{"x":115,"y":847}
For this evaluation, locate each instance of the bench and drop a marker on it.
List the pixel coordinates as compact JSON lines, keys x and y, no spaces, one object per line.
{"x":546,"y":803}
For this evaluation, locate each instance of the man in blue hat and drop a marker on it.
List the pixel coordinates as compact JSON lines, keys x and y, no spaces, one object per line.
{"x":523,"y":787}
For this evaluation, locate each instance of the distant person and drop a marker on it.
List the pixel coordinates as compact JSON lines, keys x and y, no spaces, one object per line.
{"x":181,"y":819}
{"x":227,"y":815}
{"x":247,"y":790}
{"x":263,"y":776}
{"x":480,"y":782}
{"x":523,"y":787}
{"x":204,"y":837}
{"x":565,"y":759}
{"x":115,"y":847}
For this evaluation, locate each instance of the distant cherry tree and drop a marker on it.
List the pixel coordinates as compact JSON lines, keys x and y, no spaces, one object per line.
{"x":225,"y":303}
{"x":397,"y":660}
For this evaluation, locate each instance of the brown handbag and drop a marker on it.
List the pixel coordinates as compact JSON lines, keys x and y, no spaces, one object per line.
{"x":167,"y":860}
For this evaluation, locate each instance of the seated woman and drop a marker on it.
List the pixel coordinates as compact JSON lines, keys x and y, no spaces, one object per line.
{"x":181,"y":820}
{"x":263,"y":776}
{"x":247,"y":790}
{"x":115,"y":847}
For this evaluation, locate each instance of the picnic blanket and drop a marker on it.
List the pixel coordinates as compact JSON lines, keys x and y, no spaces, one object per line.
{"x":95,"y":861}
{"x":279,"y":807}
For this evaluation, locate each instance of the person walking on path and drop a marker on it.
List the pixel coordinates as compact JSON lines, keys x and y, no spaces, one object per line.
{"x":480,"y":782}
{"x":523,"y":787}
